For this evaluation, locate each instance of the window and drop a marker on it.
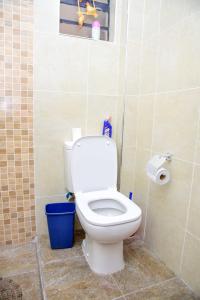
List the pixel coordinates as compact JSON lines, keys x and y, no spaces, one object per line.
{"x":71,"y":10}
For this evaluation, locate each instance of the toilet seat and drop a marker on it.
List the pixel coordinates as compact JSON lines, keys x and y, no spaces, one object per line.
{"x":131,"y":211}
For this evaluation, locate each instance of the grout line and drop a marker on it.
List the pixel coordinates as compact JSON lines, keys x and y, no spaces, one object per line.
{"x":190,"y":195}
{"x":4,"y":77}
{"x":189,"y":288}
{"x":174,"y":157}
{"x":48,"y":197}
{"x":20,"y":273}
{"x":87,"y":90}
{"x":116,"y":283}
{"x":34,"y":46}
{"x":40,"y":271}
{"x":63,"y":259}
{"x":193,"y":235}
{"x":150,"y":286}
{"x":167,"y":92}
{"x":187,"y":220}
{"x":12,"y":234}
{"x":125,"y":68}
{"x":119,"y":298}
{"x":153,"y":118}
{"x":76,"y":93}
{"x":138,"y":97}
{"x":20,"y":76}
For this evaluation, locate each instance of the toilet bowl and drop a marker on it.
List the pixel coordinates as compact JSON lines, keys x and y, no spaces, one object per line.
{"x":107,"y":216}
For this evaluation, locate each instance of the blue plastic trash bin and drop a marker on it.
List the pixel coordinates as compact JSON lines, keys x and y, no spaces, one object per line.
{"x":60,"y":219}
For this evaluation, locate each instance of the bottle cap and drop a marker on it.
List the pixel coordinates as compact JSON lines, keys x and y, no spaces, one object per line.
{"x":96,"y":24}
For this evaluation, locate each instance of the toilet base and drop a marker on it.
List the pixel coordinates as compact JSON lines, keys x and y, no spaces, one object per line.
{"x":103,"y":258}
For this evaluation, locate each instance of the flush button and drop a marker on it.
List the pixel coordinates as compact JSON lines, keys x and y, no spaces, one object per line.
{"x":78,"y":145}
{"x":107,"y":143}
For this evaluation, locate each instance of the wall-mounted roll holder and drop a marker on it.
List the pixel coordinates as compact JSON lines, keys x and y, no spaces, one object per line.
{"x":167,"y":156}
{"x":155,"y":170}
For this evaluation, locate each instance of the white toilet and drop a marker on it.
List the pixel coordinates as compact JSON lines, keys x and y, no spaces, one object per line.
{"x":107,"y":216}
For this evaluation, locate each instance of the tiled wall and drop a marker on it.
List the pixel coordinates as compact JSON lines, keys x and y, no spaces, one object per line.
{"x":76,"y":84}
{"x":162,"y":114}
{"x":17,"y":209}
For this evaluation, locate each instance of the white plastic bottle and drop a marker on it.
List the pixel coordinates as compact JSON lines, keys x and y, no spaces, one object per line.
{"x":96,"y":30}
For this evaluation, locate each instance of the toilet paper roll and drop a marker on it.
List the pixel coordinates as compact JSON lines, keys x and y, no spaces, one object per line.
{"x":76,"y":134}
{"x":161,"y":176}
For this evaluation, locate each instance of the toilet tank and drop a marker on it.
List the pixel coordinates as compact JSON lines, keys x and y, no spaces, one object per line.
{"x":67,"y":166}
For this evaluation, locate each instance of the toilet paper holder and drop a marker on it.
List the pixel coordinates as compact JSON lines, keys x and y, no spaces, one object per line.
{"x":167,"y":156}
{"x":155,"y":170}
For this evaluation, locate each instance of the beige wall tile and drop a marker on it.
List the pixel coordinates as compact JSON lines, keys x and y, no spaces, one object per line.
{"x":130,"y":121}
{"x":170,"y":74}
{"x":151,"y":19}
{"x":191,"y":263}
{"x":64,"y":56}
{"x":145,"y":120}
{"x":56,"y":113}
{"x":103,"y":77}
{"x":122,"y":65}
{"x":49,"y":170}
{"x":172,"y":199}
{"x":132,"y":68}
{"x":193,"y":224}
{"x":197,"y":152}
{"x":41,"y":221}
{"x":191,"y":7}
{"x":47,"y":22}
{"x":176,"y":119}
{"x":166,"y":216}
{"x":122,"y":16}
{"x":148,"y":66}
{"x":164,"y":237}
{"x":141,"y":185}
{"x":135,"y":21}
{"x":128,"y":170}
{"x":190,"y":47}
{"x":171,"y":13}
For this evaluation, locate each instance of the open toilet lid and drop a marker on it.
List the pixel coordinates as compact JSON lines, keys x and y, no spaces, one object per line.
{"x":94,"y":164}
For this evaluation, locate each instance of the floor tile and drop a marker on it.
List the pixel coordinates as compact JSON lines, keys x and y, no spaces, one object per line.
{"x":18,"y":260}
{"x":173,"y":289}
{"x":72,"y":279}
{"x":73,"y":269}
{"x":133,"y":242}
{"x":146,"y":262}
{"x":141,"y":269}
{"x":30,"y":285}
{"x":66,"y":274}
{"x":48,"y":255}
{"x":94,"y":287}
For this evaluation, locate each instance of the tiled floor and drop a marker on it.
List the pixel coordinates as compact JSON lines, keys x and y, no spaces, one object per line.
{"x":65,"y":275}
{"x":20,"y":265}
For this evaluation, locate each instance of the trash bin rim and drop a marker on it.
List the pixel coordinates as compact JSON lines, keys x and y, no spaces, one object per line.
{"x":61,"y":213}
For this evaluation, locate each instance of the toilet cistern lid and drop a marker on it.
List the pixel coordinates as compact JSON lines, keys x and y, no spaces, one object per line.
{"x":94,"y":164}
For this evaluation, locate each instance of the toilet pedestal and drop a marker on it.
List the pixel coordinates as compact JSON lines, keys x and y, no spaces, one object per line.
{"x":103,"y":258}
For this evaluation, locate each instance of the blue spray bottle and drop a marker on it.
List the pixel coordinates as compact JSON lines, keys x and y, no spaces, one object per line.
{"x":107,"y":128}
{"x":131,"y":196}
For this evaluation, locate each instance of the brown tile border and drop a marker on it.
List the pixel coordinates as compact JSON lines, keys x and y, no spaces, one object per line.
{"x":16,"y":115}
